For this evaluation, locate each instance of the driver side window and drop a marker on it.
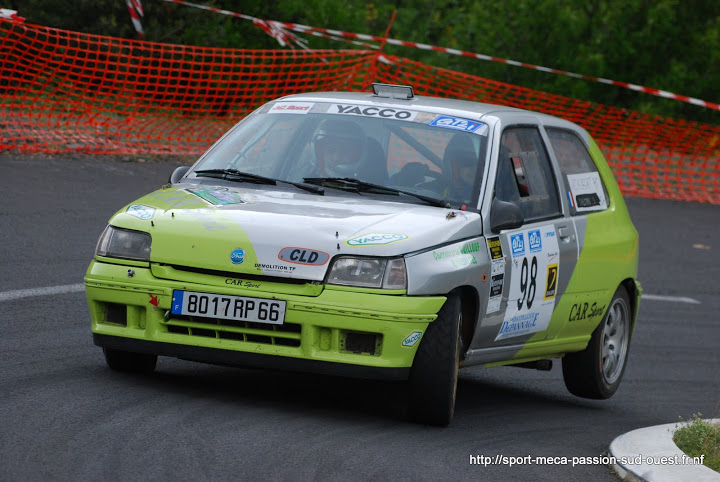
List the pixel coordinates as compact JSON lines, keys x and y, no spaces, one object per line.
{"x":525,"y":176}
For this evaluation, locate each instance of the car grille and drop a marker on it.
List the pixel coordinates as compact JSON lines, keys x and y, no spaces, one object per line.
{"x":287,"y":334}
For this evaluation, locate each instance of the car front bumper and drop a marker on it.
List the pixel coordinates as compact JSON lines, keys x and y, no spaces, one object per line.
{"x":337,"y":331}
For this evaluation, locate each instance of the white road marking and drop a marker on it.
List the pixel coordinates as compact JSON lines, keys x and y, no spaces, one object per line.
{"x":675,"y":299}
{"x":46,"y":291}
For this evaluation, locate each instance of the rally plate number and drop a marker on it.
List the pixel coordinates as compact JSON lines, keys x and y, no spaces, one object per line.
{"x":227,"y":307}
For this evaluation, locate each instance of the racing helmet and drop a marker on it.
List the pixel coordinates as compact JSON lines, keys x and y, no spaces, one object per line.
{"x":340,"y":147}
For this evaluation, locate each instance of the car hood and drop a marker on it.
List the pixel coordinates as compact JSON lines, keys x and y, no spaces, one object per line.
{"x":284,"y":233}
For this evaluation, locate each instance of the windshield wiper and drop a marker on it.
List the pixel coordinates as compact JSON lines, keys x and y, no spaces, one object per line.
{"x":241,"y":176}
{"x":356,"y":185}
{"x":235,"y":175}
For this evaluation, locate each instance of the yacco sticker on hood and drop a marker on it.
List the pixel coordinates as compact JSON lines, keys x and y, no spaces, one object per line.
{"x":218,"y":195}
{"x":372,"y":111}
{"x":141,"y":211}
{"x":303,"y":256}
{"x":291,"y":108}
{"x":376,"y":239}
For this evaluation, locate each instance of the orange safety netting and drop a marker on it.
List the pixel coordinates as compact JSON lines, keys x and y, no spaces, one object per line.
{"x":64,"y":91}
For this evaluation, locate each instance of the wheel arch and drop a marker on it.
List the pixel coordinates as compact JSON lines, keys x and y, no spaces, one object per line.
{"x":470,"y":308}
{"x":634,"y":291}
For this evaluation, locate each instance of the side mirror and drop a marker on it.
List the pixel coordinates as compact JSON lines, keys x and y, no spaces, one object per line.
{"x":178,"y":174}
{"x":505,"y":215}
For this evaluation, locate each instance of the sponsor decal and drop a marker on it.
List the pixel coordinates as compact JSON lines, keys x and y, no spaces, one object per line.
{"x":280,"y":268}
{"x":456,"y":123}
{"x":495,"y":247}
{"x":217,"y":195}
{"x":303,"y":256}
{"x":535,"y":241}
{"x":585,"y":311}
{"x":498,"y":266}
{"x":517,"y":244}
{"x":237,"y":256}
{"x":376,"y":239}
{"x":177,"y":198}
{"x":533,"y":282}
{"x":551,"y":283}
{"x":519,"y":325}
{"x":241,"y":283}
{"x":496,"y":289}
{"x":141,"y":211}
{"x":467,"y":248}
{"x":413,"y":338}
{"x":586,"y":191}
{"x":372,"y":111}
{"x":291,"y":108}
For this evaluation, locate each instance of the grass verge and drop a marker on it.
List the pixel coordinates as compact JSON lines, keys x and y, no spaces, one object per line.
{"x":699,"y":437}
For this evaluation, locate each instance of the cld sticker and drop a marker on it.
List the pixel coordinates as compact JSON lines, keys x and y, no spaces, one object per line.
{"x":303,"y":256}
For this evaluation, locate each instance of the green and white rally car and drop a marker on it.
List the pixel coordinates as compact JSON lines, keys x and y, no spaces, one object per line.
{"x":378,"y":235}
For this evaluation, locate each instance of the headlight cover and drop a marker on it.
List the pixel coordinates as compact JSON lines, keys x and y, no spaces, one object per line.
{"x":124,"y":244}
{"x":369,"y":273}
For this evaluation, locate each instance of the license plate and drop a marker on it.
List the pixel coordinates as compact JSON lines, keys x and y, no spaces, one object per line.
{"x":228,"y":307}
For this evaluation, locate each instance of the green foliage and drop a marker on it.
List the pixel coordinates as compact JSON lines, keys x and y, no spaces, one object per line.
{"x":700,"y":438}
{"x":672,"y":45}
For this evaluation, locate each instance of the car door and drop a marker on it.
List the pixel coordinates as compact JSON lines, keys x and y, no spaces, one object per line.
{"x":531,"y":265}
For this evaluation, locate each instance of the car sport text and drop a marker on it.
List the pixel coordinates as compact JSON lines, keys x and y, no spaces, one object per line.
{"x":381,"y":235}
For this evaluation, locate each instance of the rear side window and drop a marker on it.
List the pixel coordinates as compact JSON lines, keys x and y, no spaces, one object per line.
{"x":525,"y":176}
{"x":585,"y":189}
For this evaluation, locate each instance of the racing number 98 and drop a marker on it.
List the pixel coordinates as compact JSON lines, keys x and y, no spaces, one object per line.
{"x":528,"y":290}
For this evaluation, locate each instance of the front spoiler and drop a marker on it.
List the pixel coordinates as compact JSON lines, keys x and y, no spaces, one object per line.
{"x":249,"y":360}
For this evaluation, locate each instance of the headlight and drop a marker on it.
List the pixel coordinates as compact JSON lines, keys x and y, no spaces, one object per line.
{"x":369,"y":273}
{"x":124,"y":243}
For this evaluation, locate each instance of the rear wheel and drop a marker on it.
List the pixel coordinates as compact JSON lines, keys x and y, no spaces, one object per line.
{"x":123,"y":361}
{"x":596,"y":371}
{"x":434,"y":374}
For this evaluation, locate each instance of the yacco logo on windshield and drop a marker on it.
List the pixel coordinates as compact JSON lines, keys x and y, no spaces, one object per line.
{"x":372,"y":111}
{"x":456,"y":123}
{"x":517,"y":243}
{"x":303,"y":256}
{"x":376,"y":239}
{"x":237,"y":256}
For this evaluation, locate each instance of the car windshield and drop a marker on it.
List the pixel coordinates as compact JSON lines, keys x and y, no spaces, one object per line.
{"x":416,"y":155}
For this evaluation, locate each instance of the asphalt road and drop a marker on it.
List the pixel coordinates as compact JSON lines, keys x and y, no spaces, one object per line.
{"x":65,"y":415}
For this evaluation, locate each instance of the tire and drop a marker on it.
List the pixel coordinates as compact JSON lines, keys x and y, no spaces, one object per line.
{"x":596,"y":371}
{"x":123,"y":361}
{"x":434,"y":373}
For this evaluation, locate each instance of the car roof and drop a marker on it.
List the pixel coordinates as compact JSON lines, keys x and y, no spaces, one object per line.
{"x":456,"y":107}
